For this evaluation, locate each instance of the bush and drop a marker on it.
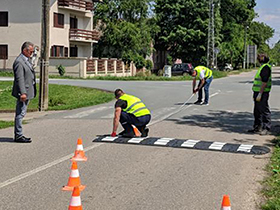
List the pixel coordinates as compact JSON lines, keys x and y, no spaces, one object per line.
{"x":61,"y":69}
{"x":140,"y":62}
{"x":149,"y":65}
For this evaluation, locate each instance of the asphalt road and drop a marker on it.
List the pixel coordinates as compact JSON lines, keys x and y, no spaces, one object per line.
{"x":120,"y":176}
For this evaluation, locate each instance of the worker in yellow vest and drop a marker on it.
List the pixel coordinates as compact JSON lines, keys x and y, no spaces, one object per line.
{"x":261,"y":89}
{"x":204,"y":75}
{"x":130,"y":110}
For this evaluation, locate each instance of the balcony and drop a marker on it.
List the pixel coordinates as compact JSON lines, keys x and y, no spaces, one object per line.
{"x":80,"y":35}
{"x":77,"y":5}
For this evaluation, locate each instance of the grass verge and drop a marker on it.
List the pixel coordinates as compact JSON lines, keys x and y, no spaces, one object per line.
{"x":6,"y":124}
{"x":271,"y":185}
{"x":61,"y":97}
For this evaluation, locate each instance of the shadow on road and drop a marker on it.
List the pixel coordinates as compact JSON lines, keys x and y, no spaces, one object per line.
{"x":231,"y":122}
{"x":6,"y":139}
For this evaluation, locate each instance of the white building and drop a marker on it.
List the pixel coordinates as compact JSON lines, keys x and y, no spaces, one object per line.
{"x":71,"y":33}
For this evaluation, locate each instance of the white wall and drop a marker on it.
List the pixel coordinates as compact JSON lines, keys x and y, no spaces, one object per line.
{"x":24,"y":25}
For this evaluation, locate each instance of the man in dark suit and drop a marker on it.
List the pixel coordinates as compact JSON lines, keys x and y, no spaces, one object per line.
{"x":24,"y":87}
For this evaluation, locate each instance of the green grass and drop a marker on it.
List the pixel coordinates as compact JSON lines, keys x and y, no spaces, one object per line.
{"x":272,"y":183}
{"x":6,"y":124}
{"x":6,"y":74}
{"x":61,"y":97}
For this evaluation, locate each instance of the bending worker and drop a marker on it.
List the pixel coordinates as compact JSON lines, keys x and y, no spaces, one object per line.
{"x":205,"y":78}
{"x":130,"y":110}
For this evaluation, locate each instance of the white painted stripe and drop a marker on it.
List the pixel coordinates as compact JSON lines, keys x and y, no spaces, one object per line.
{"x":217,"y":145}
{"x":41,"y":168}
{"x":75,"y":201}
{"x":109,"y":116}
{"x":87,"y":112}
{"x":75,"y":173}
{"x":163,"y":141}
{"x":190,"y":143}
{"x":80,"y":147}
{"x":109,"y":138}
{"x":245,"y":148}
{"x":136,"y":140}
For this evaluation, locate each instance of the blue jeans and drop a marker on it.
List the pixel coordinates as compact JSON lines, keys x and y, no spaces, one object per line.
{"x":127,"y":120}
{"x":21,"y":109}
{"x":206,"y":89}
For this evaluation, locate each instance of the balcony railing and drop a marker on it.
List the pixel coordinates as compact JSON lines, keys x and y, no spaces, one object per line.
{"x":76,"y":4}
{"x":83,"y":35}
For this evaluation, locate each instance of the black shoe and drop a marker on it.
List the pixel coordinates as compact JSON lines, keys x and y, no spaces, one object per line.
{"x":145,"y":132}
{"x":198,"y":102}
{"x":205,"y":103}
{"x":255,"y":130}
{"x":22,"y":139}
{"x":128,"y":135}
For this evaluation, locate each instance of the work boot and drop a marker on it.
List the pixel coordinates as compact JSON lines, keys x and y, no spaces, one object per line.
{"x":198,"y":102}
{"x":128,"y":135}
{"x":256,"y":129}
{"x":145,"y":132}
{"x":205,"y":103}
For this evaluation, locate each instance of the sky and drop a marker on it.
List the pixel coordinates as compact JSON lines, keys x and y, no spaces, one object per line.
{"x":269,"y":13}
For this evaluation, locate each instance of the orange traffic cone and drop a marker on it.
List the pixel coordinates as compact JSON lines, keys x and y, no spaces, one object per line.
{"x":226,"y":203}
{"x":136,"y":131}
{"x":79,"y":152}
{"x":74,"y":179}
{"x":75,"y":203}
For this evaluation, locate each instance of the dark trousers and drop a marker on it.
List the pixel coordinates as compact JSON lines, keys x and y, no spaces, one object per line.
{"x":127,"y":120}
{"x":262,"y":113}
{"x":206,"y":89}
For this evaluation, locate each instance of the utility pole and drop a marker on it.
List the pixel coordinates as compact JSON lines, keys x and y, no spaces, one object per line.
{"x":211,"y":36}
{"x":245,"y":47}
{"x":44,"y":64}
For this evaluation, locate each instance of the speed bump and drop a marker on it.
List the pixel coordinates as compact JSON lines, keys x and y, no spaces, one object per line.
{"x":188,"y":144}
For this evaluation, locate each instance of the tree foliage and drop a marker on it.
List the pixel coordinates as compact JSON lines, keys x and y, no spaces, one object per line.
{"x":126,"y":29}
{"x":183,"y":28}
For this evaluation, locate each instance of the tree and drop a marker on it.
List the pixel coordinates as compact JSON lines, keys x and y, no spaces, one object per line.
{"x":275,"y":54}
{"x":183,"y":28}
{"x":126,"y":29}
{"x":236,"y":16}
{"x":259,"y":34}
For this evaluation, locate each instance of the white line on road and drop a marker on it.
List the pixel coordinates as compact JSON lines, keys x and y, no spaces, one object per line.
{"x":179,"y":109}
{"x":87,"y":112}
{"x":41,"y":168}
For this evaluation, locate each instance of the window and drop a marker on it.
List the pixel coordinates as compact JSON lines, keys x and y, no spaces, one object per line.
{"x":3,"y":19}
{"x":74,"y":51}
{"x":58,"y":51}
{"x":58,"y":20}
{"x":3,"y":51}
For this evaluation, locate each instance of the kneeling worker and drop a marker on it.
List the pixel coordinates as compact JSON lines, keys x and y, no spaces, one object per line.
{"x":205,"y":77}
{"x":130,"y":110}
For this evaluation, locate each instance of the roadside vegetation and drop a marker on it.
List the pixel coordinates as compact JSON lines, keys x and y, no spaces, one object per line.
{"x":61,"y":97}
{"x":6,"y":124}
{"x":272,"y":183}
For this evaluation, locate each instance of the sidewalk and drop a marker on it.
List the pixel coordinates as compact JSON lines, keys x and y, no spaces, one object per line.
{"x":29,"y":116}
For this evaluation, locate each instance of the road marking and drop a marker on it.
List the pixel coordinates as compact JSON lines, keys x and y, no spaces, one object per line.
{"x":181,"y":108}
{"x":163,"y":141}
{"x":41,"y":168}
{"x":136,"y":140}
{"x":190,"y":144}
{"x":88,"y":112}
{"x":217,"y":145}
